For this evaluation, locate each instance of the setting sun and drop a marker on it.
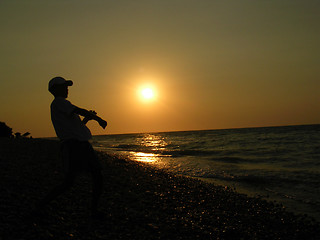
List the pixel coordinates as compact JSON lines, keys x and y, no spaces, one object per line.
{"x":147,"y":93}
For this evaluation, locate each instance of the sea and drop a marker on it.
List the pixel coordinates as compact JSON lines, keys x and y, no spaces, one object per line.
{"x":279,"y":164}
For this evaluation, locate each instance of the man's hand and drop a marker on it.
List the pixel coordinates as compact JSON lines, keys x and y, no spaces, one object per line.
{"x":87,"y":118}
{"x":102,"y":123}
{"x":90,"y":115}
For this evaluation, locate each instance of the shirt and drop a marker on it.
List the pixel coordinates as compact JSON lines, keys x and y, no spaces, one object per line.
{"x":66,"y":123}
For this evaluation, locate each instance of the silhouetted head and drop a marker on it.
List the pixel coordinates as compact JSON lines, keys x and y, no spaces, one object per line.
{"x":58,"y":86}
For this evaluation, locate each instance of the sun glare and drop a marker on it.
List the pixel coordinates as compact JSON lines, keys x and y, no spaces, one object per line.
{"x":147,"y":93}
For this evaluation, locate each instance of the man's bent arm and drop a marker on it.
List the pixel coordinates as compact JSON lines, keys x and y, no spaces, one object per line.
{"x":90,"y":115}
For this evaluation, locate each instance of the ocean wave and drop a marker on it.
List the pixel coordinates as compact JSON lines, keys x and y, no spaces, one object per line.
{"x":183,"y":153}
{"x":229,"y":159}
{"x":173,"y":152}
{"x":129,"y":147}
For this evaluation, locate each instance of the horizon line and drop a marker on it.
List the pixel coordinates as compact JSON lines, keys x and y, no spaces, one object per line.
{"x":212,"y":129}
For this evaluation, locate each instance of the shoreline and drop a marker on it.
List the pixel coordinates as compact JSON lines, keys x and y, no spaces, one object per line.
{"x":139,"y":201}
{"x":290,"y":204}
{"x":249,"y":188}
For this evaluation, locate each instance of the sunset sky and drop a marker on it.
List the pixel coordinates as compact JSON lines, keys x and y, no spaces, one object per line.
{"x":210,"y":64}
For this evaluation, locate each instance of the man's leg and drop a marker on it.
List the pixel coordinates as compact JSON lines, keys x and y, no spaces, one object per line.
{"x":97,"y":179}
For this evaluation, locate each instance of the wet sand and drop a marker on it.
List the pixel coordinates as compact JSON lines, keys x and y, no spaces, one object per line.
{"x":139,"y":202}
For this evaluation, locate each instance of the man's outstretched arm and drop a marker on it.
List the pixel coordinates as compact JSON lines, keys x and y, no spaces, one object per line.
{"x":90,"y":115}
{"x":85,"y":120}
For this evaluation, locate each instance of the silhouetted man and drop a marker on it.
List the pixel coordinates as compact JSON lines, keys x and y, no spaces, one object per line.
{"x":77,"y":152}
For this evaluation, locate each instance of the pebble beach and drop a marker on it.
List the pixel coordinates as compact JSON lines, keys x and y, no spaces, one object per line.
{"x":139,"y":202}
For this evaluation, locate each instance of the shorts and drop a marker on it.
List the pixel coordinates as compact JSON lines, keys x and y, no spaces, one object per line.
{"x":79,"y":156}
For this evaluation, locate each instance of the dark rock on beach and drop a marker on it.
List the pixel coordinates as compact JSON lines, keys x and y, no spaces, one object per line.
{"x":139,"y":202}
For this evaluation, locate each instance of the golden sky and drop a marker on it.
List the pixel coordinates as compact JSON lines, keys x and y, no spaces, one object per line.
{"x":212,"y":64}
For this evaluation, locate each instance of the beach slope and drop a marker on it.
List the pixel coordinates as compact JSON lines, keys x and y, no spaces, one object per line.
{"x":139,"y":202}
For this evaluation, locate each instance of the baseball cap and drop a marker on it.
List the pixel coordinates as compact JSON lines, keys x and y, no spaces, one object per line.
{"x":59,"y":81}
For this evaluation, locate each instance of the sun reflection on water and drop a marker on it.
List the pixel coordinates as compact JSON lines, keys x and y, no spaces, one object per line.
{"x":150,"y":148}
{"x":145,"y":157}
{"x":153,"y":141}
